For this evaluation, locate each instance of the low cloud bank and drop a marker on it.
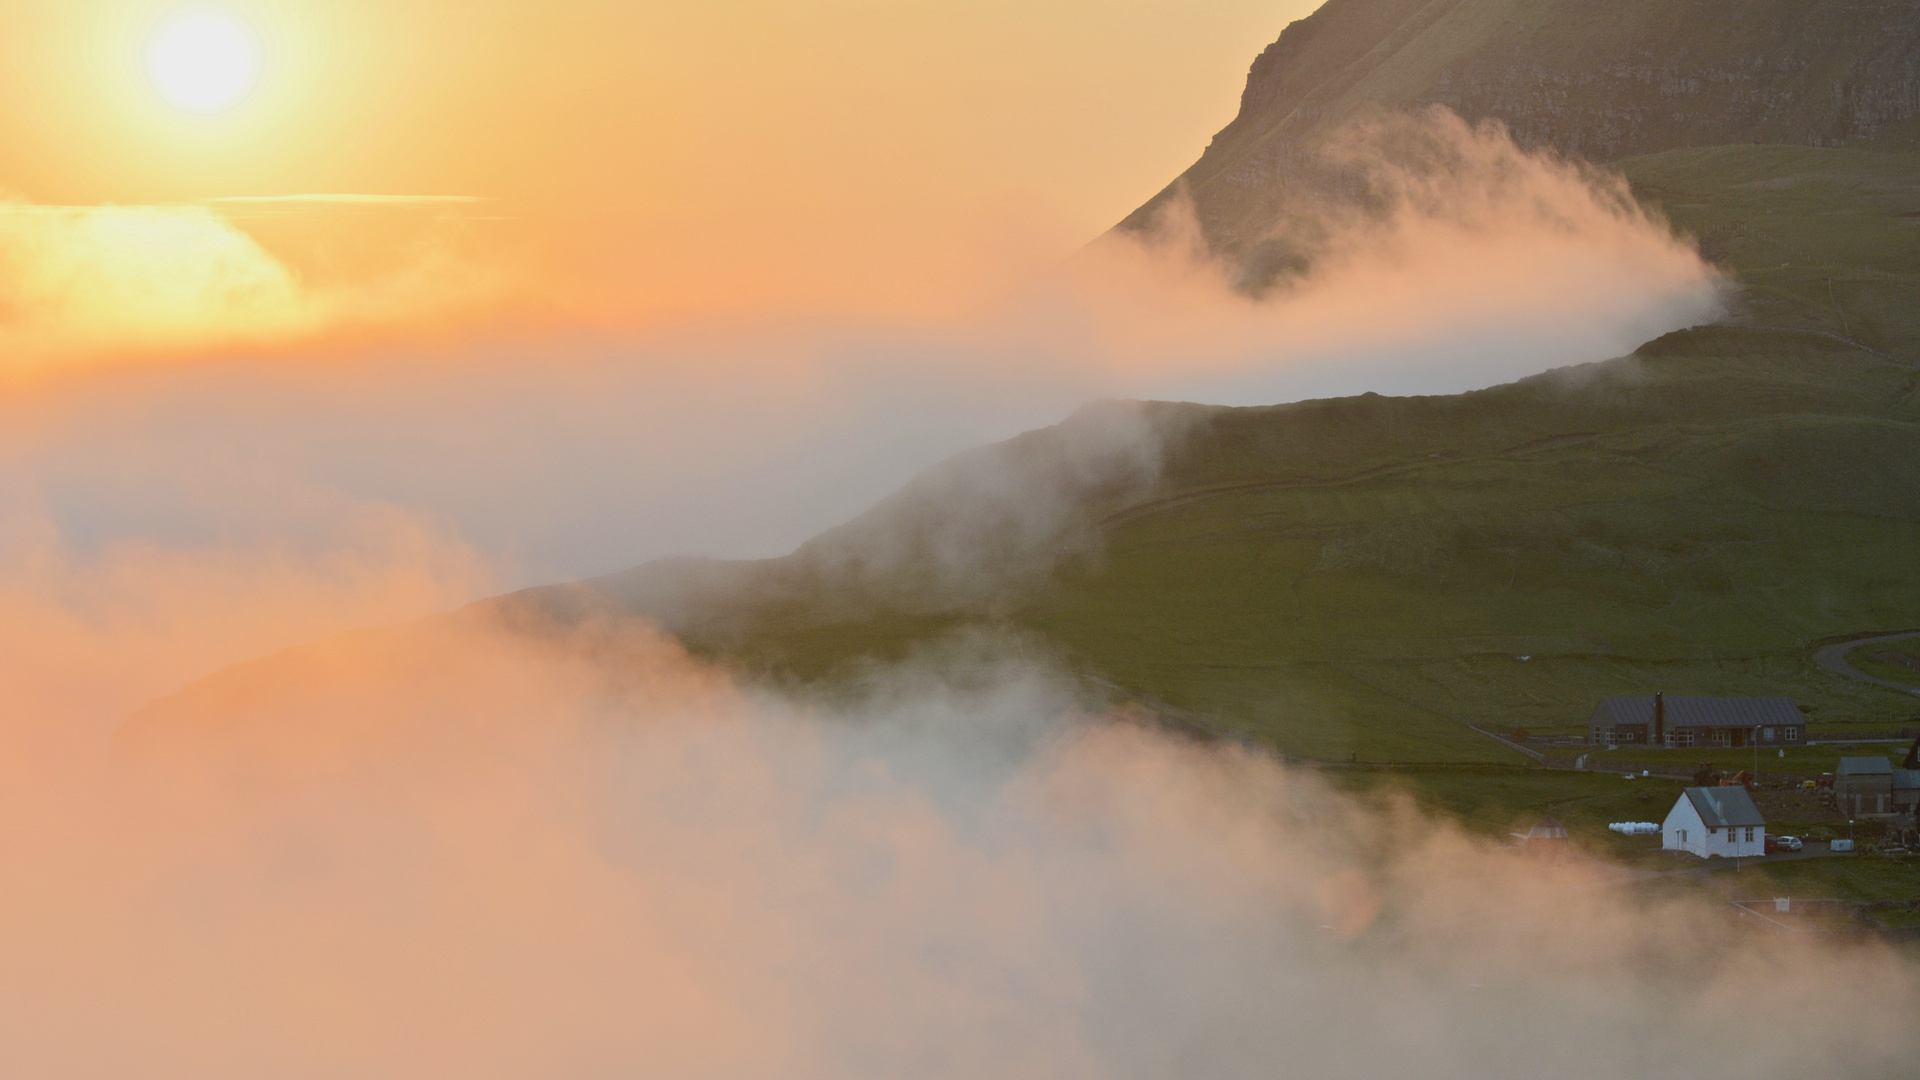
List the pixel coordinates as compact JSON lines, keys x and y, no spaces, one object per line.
{"x":457,"y":849}
{"x":465,"y":847}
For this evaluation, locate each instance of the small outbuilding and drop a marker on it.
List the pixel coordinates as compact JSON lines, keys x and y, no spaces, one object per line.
{"x":1546,"y":830}
{"x":1906,"y":790}
{"x":1863,"y":787}
{"x":1547,"y":838}
{"x":1715,"y":821}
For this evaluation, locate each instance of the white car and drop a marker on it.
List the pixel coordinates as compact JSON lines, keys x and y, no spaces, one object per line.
{"x":1784,"y":843}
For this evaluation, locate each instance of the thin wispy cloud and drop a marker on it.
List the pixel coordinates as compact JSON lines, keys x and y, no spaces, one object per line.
{"x":344,"y":199}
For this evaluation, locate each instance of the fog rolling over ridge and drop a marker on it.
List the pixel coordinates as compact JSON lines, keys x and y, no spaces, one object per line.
{"x":577,"y":455}
{"x":1431,"y":257}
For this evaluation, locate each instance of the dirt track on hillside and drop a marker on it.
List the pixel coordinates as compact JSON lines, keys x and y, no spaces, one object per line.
{"x":1834,"y":659}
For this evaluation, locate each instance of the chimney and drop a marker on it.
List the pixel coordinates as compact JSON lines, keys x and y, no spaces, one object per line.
{"x":1659,"y":719}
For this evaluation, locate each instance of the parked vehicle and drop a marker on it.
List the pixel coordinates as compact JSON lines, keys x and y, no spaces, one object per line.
{"x":1783,"y":843}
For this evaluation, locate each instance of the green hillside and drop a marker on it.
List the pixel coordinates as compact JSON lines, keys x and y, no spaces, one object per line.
{"x":1368,"y":576}
{"x":1819,"y":239}
{"x":1364,"y":576}
{"x":1691,"y":524}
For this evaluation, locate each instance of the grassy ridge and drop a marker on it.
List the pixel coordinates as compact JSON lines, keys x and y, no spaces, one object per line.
{"x":1366,"y":577}
{"x":1824,"y":240}
{"x":1625,"y":537}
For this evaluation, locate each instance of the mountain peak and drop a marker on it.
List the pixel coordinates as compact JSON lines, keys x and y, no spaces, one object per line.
{"x":1598,"y":81}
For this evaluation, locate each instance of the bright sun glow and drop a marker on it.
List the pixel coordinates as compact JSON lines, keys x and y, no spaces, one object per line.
{"x":203,"y":61}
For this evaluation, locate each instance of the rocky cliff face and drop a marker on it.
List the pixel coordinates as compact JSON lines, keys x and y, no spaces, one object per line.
{"x":1601,"y":79}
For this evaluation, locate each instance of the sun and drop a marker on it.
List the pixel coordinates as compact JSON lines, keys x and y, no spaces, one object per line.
{"x":203,"y":61}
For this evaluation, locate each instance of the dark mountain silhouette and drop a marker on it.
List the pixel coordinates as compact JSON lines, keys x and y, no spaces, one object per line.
{"x":1603,"y":81}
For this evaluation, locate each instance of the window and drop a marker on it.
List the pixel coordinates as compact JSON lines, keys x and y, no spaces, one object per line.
{"x":1749,"y":834}
{"x":1766,"y":734}
{"x":1793,"y":734}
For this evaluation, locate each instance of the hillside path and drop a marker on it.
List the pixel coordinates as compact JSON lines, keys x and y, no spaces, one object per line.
{"x":1834,"y":659}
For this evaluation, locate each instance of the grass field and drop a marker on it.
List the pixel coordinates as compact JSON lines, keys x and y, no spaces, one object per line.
{"x":1496,"y":802}
{"x":1821,"y":239}
{"x":1693,"y":526}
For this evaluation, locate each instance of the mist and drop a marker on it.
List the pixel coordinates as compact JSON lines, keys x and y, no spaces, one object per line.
{"x":561,"y":448}
{"x":459,"y":848}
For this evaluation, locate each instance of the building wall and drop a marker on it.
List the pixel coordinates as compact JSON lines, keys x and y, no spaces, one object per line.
{"x":1864,"y":796}
{"x":1745,"y":841}
{"x":1703,"y":738}
{"x":1683,"y":830}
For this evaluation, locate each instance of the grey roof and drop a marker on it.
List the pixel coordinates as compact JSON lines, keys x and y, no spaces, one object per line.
{"x":1547,"y":829}
{"x":1863,"y":766}
{"x":1700,"y":711}
{"x":1720,"y":807}
{"x":1906,"y":779}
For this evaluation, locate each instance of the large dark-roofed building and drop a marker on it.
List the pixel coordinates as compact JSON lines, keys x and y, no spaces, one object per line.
{"x":1697,"y":720}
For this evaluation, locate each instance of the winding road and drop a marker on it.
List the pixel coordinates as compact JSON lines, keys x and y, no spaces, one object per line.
{"x":1834,"y":659}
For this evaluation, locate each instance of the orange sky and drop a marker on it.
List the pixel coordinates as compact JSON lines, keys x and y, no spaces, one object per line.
{"x":440,"y":258}
{"x":638,"y":158}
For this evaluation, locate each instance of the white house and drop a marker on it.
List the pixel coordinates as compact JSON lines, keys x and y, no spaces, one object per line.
{"x":1710,"y":821}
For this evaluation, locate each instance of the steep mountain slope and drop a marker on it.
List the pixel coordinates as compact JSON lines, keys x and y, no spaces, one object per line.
{"x":1603,"y":81}
{"x":1822,"y":240}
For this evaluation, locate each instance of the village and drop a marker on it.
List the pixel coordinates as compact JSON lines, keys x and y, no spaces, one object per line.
{"x":1862,"y":808}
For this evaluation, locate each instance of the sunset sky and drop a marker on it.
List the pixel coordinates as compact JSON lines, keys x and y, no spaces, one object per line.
{"x":585,"y":284}
{"x":331,"y":329}
{"x":612,"y":161}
